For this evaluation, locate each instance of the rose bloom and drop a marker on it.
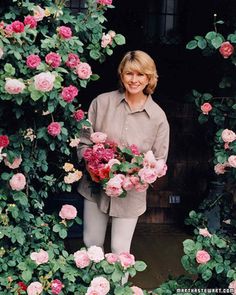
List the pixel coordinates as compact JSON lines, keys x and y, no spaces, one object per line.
{"x":111,"y":258}
{"x":93,"y":291}
{"x":14,"y":86}
{"x":78,"y":115}
{"x":35,"y":288}
{"x":30,"y":21}
{"x":22,"y":286}
{"x":226,"y":49}
{"x":136,"y":290}
{"x":114,"y":186}
{"x":8,"y":31}
{"x":141,"y":187}
{"x":39,"y":13}
{"x":81,"y":259}
{"x":104,"y":2}
{"x":126,"y":259}
{"x":74,"y":142}
{"x":65,"y":32}
{"x":18,"y":27}
{"x":54,"y":129}
{"x":202,"y":256}
{"x":17,"y":182}
{"x":15,"y":164}
{"x":4,"y":141}
{"x":232,"y":161}
{"x":69,"y":93}
{"x":56,"y":286}
{"x":220,"y":168}
{"x":44,"y":81}
{"x":32,"y":61}
{"x":228,"y":135}
{"x":40,"y":257}
{"x":1,"y":52}
{"x":147,"y":175}
{"x":53,"y":59}
{"x":204,"y":232}
{"x":106,"y":40}
{"x":73,"y":177}
{"x":83,"y":70}
{"x":68,"y":167}
{"x":73,"y":60}
{"x":98,"y":137}
{"x":100,"y":284}
{"x":232,"y":285}
{"x":113,"y":162}
{"x":127,"y":184}
{"x":68,"y":212}
{"x":95,"y":253}
{"x":206,"y":108}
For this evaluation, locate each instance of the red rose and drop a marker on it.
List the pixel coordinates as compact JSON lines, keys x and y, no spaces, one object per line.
{"x":69,"y":93}
{"x":226,"y":49}
{"x":30,"y":20}
{"x":22,"y":287}
{"x":56,"y":286}
{"x":64,"y":32}
{"x":17,"y":27}
{"x":79,"y":115}
{"x":33,"y":60}
{"x":53,"y":59}
{"x":73,"y":60}
{"x":4,"y":141}
{"x":54,"y":129}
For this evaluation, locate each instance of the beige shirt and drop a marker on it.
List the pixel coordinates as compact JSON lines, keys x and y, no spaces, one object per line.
{"x":147,"y":128}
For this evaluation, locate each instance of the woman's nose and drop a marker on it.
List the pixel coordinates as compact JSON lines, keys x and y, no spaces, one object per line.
{"x":134,"y":78}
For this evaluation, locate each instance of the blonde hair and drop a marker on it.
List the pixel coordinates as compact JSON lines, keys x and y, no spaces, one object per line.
{"x":140,"y":61}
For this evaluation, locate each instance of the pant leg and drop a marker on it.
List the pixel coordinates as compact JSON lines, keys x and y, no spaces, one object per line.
{"x":122,"y":233}
{"x":95,"y":225}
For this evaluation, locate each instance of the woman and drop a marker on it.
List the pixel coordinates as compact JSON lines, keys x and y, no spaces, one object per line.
{"x":128,"y":116}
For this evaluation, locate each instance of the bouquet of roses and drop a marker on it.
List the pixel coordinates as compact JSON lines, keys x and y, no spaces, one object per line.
{"x":120,"y":169}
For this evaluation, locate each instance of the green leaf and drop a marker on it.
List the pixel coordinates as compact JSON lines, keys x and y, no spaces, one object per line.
{"x":207,"y":275}
{"x":119,"y":39}
{"x":9,"y":69}
{"x":202,"y":44}
{"x":216,"y":42}
{"x":116,"y":276}
{"x":27,"y":275}
{"x":219,"y":268}
{"x":36,"y":95}
{"x":140,"y":265}
{"x":94,"y":54}
{"x":189,"y":246}
{"x":211,"y":35}
{"x":192,"y":44}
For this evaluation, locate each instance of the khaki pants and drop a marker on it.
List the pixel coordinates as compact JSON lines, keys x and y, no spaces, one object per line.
{"x":95,"y":225}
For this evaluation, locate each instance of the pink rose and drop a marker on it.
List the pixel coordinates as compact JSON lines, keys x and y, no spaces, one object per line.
{"x":14,"y":86}
{"x":111,"y":258}
{"x":126,"y":259}
{"x":65,"y":32}
{"x":9,"y":30}
{"x":93,"y":291}
{"x":69,"y":93}
{"x":30,"y":21}
{"x":39,"y":13}
{"x":104,"y":2}
{"x":78,"y":115}
{"x":232,"y":286}
{"x":68,"y":212}
{"x":17,"y":27}
{"x":35,"y":288}
{"x":73,"y":60}
{"x":113,"y":162}
{"x":54,"y":129}
{"x":40,"y":257}
{"x":228,"y":135}
{"x":114,"y":186}
{"x":83,"y":70}
{"x":15,"y":164}
{"x":204,"y":232}
{"x":1,"y":52}
{"x":81,"y":259}
{"x":4,"y":141}
{"x":226,"y":49}
{"x":33,"y":60}
{"x":98,"y":137}
{"x":101,"y":284}
{"x":206,"y":108}
{"x":202,"y":256}
{"x":147,"y":175}
{"x":53,"y":59}
{"x":44,"y":81}
{"x":127,"y":184}
{"x":56,"y":286}
{"x":17,"y":182}
{"x":232,"y":161}
{"x":106,"y":40}
{"x":95,"y":253}
{"x":220,"y":168}
{"x":141,"y":187}
{"x":136,"y":290}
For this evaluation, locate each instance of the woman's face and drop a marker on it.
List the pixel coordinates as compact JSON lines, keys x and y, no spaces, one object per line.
{"x":134,"y":81}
